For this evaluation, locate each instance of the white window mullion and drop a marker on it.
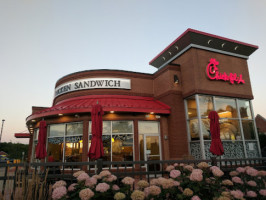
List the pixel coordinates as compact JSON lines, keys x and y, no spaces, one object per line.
{"x":241,"y":128}
{"x":200,"y":129}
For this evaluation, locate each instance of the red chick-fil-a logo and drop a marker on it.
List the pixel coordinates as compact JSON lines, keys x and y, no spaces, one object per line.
{"x":214,"y":74}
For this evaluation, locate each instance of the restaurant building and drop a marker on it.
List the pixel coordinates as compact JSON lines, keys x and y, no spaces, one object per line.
{"x":163,"y":115}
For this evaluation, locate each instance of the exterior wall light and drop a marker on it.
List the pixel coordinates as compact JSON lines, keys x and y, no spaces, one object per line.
{"x":176,"y":80}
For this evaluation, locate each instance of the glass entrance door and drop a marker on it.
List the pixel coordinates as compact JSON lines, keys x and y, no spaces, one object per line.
{"x":150,"y":150}
{"x":149,"y":143}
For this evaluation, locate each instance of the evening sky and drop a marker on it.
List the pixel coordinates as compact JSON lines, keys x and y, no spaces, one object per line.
{"x":41,"y":41}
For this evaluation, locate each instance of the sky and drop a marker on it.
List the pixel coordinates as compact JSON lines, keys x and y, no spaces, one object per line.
{"x":41,"y":41}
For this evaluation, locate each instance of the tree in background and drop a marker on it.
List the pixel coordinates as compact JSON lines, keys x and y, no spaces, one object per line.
{"x":14,"y":150}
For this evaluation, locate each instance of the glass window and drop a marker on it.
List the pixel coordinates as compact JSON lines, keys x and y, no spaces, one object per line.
{"x":194,"y":129}
{"x":229,"y":129}
{"x":205,"y":125}
{"x":117,"y":140}
{"x":107,"y":147}
{"x":149,"y":127}
{"x":73,"y":149}
{"x":36,"y":134}
{"x":122,"y":127}
{"x":141,"y":147}
{"x":57,"y":130}
{"x":206,"y":105}
{"x":226,"y":108}
{"x":106,"y":127}
{"x":74,"y":129}
{"x":34,"y":144}
{"x":244,"y":109}
{"x":122,"y":147}
{"x":65,"y":142}
{"x":55,"y":148}
{"x":248,"y":129}
{"x":192,"y":107}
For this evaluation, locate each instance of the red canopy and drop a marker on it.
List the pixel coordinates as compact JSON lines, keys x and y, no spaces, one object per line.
{"x":216,"y":143}
{"x":96,"y":149}
{"x":41,"y":146}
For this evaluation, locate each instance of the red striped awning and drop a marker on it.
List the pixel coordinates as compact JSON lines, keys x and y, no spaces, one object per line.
{"x":22,"y":135}
{"x":120,"y":103}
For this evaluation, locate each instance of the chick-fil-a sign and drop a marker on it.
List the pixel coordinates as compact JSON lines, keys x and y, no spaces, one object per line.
{"x":214,"y":74}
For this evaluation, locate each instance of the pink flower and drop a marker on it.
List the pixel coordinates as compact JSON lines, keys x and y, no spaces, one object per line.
{"x":262,"y":192}
{"x":86,"y":194}
{"x":262,"y":173}
{"x":227,"y":182}
{"x":189,"y":168}
{"x":196,"y":175}
{"x":237,"y":180}
{"x":195,"y":197}
{"x":96,"y":176}
{"x":169,"y":168}
{"x":237,"y":194}
{"x":105,"y":173}
{"x":102,"y":187}
{"x":72,"y":187}
{"x":175,"y":173}
{"x":110,"y":178}
{"x":76,"y":174}
{"x":90,"y":182}
{"x":176,"y":165}
{"x":240,"y":169}
{"x":128,"y":180}
{"x":152,"y":190}
{"x":251,"y":171}
{"x":137,"y":195}
{"x":217,"y":172}
{"x":115,"y":187}
{"x":165,"y":183}
{"x":83,"y":177}
{"x":168,"y":183}
{"x":203,"y":165}
{"x":59,"y":184}
{"x":251,"y":194}
{"x":59,"y":192}
{"x":234,"y":173}
{"x":252,"y":183}
{"x":176,"y":183}
{"x":214,"y":168}
{"x":154,"y":181}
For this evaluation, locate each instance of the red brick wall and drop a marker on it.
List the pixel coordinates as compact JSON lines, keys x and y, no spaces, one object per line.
{"x":193,"y":68}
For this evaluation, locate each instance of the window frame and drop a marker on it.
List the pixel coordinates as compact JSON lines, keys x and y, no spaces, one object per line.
{"x":111,"y":134}
{"x":64,"y":137}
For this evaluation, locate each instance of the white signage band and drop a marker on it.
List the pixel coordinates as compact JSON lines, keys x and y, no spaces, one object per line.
{"x":92,"y":83}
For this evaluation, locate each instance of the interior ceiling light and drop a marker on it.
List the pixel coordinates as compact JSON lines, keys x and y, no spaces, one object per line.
{"x":60,"y":114}
{"x":151,"y":113}
{"x":33,"y":120}
{"x":112,"y":111}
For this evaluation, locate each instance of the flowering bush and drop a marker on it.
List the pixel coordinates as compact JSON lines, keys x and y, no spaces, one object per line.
{"x":186,"y":182}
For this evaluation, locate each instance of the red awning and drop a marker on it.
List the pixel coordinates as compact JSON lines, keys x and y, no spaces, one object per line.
{"x":121,"y":103}
{"x":22,"y":135}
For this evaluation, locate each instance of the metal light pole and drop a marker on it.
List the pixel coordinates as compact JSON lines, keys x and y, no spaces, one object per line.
{"x":2,"y":129}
